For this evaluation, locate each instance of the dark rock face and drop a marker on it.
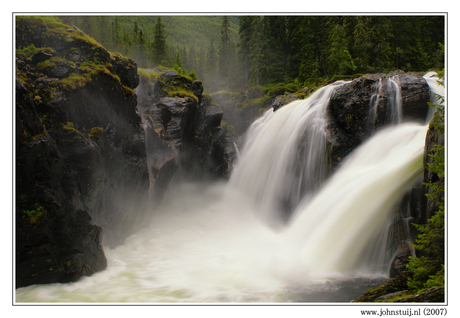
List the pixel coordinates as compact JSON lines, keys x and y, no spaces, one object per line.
{"x":80,"y":156}
{"x":59,"y":244}
{"x":240,"y":109}
{"x":350,"y":109}
{"x":184,"y":138}
{"x":283,"y":100}
{"x":433,"y":138}
{"x":364,"y":105}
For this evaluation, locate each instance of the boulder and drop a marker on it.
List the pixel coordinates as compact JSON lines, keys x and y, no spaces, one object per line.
{"x":358,"y":108}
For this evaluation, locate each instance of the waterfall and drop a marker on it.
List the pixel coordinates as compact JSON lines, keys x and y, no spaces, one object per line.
{"x":211,"y":244}
{"x":395,"y":101}
{"x":386,"y":98}
{"x":333,"y":228}
{"x":436,"y":90}
{"x":284,"y":155}
{"x":374,"y":102}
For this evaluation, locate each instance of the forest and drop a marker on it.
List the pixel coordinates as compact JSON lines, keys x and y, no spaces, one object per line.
{"x":236,"y":52}
{"x":103,"y":151}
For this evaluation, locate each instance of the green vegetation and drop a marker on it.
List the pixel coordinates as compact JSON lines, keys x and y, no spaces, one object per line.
{"x":149,"y":76}
{"x":69,"y":127}
{"x":72,"y":43}
{"x":95,"y":131}
{"x":428,"y":267}
{"x":256,"y":102}
{"x":34,"y":215}
{"x":235,"y":52}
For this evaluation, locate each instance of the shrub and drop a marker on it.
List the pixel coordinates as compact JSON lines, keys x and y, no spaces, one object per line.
{"x":428,"y":269}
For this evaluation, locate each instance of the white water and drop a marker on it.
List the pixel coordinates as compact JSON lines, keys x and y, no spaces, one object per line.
{"x":357,"y":199}
{"x":208,"y":244}
{"x":394,"y":105}
{"x":273,"y":170}
{"x":436,"y":90}
{"x":374,"y":102}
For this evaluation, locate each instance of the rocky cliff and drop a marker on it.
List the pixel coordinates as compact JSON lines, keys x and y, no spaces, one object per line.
{"x":83,"y":168}
{"x":184,"y":137}
{"x":363,"y":105}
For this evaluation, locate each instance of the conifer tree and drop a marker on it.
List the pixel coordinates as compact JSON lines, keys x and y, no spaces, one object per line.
{"x":245,"y":34}
{"x":211,"y":62}
{"x":255,"y":48}
{"x":159,"y":43}
{"x":224,"y":50}
{"x":338,"y":59}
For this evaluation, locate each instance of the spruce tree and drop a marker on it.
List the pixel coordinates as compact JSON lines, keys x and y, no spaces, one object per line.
{"x":224,"y":50}
{"x":159,"y":43}
{"x":245,"y":34}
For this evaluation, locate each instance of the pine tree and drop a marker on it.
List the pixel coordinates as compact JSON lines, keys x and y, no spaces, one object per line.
{"x":245,"y":34}
{"x":178,"y":65}
{"x":380,"y":36}
{"x":274,"y":48}
{"x":159,"y":48}
{"x":116,"y":33}
{"x":255,"y":48}
{"x":224,"y":51}
{"x":338,"y":59}
{"x":211,"y":66}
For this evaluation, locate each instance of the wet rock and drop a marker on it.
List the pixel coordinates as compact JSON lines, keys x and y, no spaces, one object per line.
{"x":283,"y":100}
{"x":40,"y":57}
{"x":185,"y":139}
{"x":74,"y":176}
{"x":350,"y":109}
{"x":213,"y":115}
{"x":393,"y":285}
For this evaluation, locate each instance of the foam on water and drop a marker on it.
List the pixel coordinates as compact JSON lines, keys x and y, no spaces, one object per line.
{"x":207,"y":244}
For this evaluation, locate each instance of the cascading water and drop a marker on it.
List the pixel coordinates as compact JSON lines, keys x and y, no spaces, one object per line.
{"x":208,"y":244}
{"x":284,"y":156}
{"x":348,"y":212}
{"x":395,"y":115}
{"x":436,"y":90}
{"x":374,"y":102}
{"x":391,"y":106}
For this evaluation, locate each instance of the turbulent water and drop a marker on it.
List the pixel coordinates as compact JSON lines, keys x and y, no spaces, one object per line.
{"x":212,"y":244}
{"x":284,"y":156}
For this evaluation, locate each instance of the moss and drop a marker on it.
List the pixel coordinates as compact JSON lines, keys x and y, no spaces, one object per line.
{"x":95,"y":131}
{"x":39,"y":136}
{"x":394,"y":297}
{"x":37,"y":99}
{"x":259,"y":102}
{"x":52,"y":62}
{"x":28,"y":51}
{"x":69,"y":127}
{"x":73,"y":81}
{"x":178,"y":87}
{"x":34,"y":215}
{"x":180,"y":93}
{"x":280,"y":89}
{"x":98,"y":60}
{"x":143,"y":75}
{"x":349,"y":117}
{"x":129,"y":92}
{"x":227,"y":126}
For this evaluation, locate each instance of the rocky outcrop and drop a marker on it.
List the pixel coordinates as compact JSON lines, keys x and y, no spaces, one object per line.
{"x":184,"y":137}
{"x":420,"y":209}
{"x":434,"y":139}
{"x":80,"y":158}
{"x":243,"y":108}
{"x":363,"y":105}
{"x":395,"y":291}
